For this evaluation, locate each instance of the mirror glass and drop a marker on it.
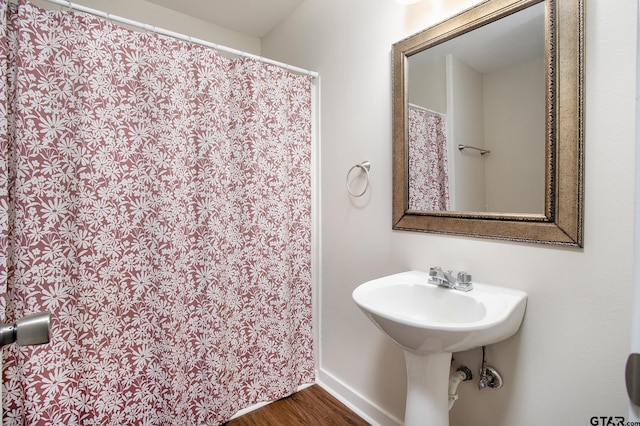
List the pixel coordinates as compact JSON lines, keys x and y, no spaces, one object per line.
{"x":476,"y":124}
{"x":488,"y":124}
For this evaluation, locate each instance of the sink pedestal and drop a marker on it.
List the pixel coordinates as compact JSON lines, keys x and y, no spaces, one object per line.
{"x":427,"y":389}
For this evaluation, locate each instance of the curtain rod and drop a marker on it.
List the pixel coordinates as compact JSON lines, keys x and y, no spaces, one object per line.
{"x":427,"y":110}
{"x":179,"y":36}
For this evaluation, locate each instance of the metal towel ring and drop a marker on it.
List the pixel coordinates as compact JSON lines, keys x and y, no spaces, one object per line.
{"x":364,"y":166}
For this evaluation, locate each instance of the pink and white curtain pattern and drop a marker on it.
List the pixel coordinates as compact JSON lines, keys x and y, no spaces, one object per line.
{"x":428,"y":161}
{"x":155,"y":198}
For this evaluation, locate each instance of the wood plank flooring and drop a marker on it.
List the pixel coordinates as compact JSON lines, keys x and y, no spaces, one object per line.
{"x":310,"y":406}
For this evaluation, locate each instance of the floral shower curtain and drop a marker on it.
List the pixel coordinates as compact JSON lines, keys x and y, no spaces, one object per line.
{"x":155,"y":198}
{"x":428,"y":161}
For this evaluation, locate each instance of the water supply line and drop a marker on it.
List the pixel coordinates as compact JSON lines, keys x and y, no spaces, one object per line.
{"x":462,"y":374}
{"x":489,"y":376}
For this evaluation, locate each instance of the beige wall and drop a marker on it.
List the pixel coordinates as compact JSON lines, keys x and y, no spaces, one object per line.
{"x":567,"y":362}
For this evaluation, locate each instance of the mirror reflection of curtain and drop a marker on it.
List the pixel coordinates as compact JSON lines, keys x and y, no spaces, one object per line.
{"x":428,"y":162}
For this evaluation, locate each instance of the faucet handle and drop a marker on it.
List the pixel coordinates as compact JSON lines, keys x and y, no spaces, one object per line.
{"x":435,"y":271}
{"x":463,"y":277}
{"x":436,"y":276}
{"x":463,"y":282}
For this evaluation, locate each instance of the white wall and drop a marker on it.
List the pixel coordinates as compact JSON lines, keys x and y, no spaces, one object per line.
{"x":161,"y":17}
{"x":567,"y":362}
{"x":514,"y":132}
{"x":429,"y":84}
{"x":634,"y":410}
{"x":466,"y":112}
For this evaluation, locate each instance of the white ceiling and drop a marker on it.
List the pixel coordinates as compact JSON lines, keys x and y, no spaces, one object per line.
{"x":253,"y":17}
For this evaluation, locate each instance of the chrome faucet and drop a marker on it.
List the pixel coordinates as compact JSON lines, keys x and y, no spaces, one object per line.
{"x":441,"y":278}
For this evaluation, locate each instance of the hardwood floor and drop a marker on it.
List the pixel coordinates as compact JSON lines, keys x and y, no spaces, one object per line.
{"x":311,"y":406}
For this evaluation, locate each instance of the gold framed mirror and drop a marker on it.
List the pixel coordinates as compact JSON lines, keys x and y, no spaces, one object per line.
{"x":550,"y":169}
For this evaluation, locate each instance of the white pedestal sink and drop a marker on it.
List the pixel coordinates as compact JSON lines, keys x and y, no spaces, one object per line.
{"x":430,"y":323}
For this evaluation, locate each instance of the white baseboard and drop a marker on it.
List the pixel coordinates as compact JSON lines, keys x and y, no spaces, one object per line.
{"x":368,"y":410}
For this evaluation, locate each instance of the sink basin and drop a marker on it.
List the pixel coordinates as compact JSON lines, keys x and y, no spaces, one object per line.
{"x":425,"y":318}
{"x":430,"y":323}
